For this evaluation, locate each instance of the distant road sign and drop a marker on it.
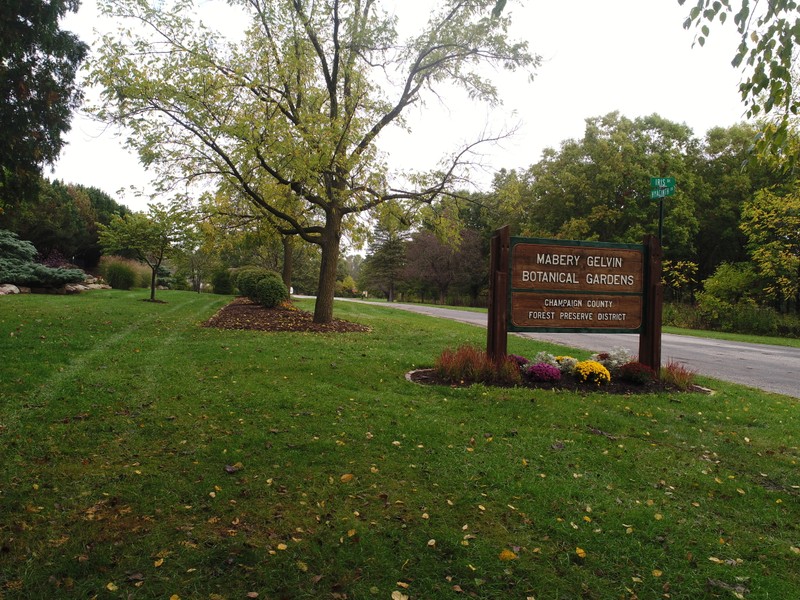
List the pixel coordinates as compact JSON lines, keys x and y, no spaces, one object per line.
{"x":662,"y":182}
{"x":661,"y":187}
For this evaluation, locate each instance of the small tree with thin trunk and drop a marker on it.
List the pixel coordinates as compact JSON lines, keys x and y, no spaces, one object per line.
{"x":151,"y":237}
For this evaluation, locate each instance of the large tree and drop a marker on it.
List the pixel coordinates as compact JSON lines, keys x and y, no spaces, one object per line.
{"x":300,"y":102}
{"x":38,"y":91}
{"x":597,"y":188}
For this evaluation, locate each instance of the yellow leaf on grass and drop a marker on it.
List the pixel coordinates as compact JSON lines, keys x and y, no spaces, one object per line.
{"x":580,"y":552}
{"x":111,"y":587}
{"x":657,"y":573}
{"x":507,"y":555}
{"x":158,"y":563}
{"x":396,"y":595}
{"x":794,"y":549}
{"x":347,"y":478}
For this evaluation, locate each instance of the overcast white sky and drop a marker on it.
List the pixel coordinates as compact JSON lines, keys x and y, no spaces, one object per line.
{"x":599,"y":56}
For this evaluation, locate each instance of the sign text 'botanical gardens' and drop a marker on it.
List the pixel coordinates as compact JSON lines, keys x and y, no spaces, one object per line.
{"x":557,"y":285}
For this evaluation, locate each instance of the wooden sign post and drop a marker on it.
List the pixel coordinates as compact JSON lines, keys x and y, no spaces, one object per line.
{"x":560,"y":286}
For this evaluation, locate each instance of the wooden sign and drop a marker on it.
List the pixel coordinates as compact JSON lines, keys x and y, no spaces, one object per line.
{"x":562,"y":286}
{"x":575,"y":286}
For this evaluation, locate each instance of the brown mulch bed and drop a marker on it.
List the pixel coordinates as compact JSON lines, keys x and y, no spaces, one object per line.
{"x":429,"y":377}
{"x":245,"y":314}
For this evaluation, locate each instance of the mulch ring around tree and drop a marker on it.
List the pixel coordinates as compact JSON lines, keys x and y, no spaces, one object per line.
{"x":567,"y":383}
{"x":243,"y":313}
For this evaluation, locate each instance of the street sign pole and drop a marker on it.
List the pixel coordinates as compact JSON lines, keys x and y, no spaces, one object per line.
{"x":661,"y":187}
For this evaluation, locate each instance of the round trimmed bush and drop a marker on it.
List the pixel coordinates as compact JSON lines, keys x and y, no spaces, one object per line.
{"x":248,"y":277}
{"x":269,"y":291}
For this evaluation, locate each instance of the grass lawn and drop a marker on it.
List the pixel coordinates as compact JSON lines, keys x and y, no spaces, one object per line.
{"x":144,"y":456}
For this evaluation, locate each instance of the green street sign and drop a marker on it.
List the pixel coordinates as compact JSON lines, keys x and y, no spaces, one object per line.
{"x":662,"y":182}
{"x":661,"y":187}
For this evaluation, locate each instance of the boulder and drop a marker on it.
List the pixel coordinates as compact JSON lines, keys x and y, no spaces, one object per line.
{"x":8,"y":288}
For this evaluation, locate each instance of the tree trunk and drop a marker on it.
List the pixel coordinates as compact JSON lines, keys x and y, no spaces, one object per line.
{"x":323,"y":309}
{"x":288,"y":263}
{"x":153,"y":284}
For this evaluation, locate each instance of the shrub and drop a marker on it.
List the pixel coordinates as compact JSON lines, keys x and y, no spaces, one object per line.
{"x":675,"y":373}
{"x":120,"y":276}
{"x":566,"y":363}
{"x":591,"y":371}
{"x":248,"y":277}
{"x":269,"y":291}
{"x":542,"y":372}
{"x":636,"y":372}
{"x":472,"y":365}
{"x":613,"y":360}
{"x":222,"y":281}
{"x":17,"y":266}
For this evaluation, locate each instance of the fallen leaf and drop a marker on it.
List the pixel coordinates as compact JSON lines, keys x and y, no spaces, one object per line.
{"x":111,"y":587}
{"x":235,"y":468}
{"x":431,"y":543}
{"x":396,"y":595}
{"x":507,"y":555}
{"x":347,"y":478}
{"x":580,"y":552}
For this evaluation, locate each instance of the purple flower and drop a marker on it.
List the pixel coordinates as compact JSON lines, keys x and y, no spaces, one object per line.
{"x":518,"y":360}
{"x":543,"y":372}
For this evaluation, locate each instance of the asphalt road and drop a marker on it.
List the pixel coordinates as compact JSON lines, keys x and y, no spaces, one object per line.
{"x":770,"y":368}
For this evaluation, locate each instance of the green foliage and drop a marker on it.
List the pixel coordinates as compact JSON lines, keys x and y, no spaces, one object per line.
{"x":222,"y":281}
{"x":17,"y":266}
{"x":269,"y":291}
{"x":770,"y":33}
{"x":248,"y":277}
{"x":597,"y":188}
{"x":771,"y":222}
{"x":151,"y":236}
{"x":38,"y":90}
{"x":121,"y":276}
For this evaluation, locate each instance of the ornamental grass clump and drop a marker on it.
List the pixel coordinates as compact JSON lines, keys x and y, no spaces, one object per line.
{"x":591,"y":371}
{"x":675,"y":373}
{"x":542,"y":372}
{"x":469,"y":364}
